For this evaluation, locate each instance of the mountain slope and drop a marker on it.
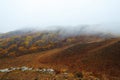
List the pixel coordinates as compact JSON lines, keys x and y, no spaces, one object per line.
{"x":101,"y":58}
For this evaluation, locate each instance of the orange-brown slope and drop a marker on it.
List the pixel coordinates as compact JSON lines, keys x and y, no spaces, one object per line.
{"x":101,"y":57}
{"x":97,"y":57}
{"x":31,"y":59}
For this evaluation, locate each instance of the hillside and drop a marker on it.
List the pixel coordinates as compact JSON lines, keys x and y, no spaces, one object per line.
{"x":99,"y":57}
{"x":19,"y":43}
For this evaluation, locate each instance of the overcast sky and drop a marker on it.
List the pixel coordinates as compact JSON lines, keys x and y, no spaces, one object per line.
{"x":16,"y":14}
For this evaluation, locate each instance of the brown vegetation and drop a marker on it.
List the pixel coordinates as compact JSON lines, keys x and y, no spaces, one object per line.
{"x":74,"y":54}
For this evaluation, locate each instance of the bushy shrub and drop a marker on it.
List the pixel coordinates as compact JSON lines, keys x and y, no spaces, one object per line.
{"x":79,"y":75}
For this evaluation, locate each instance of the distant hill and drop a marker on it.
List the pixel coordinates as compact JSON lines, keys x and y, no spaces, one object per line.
{"x":22,"y":42}
{"x":15,"y":33}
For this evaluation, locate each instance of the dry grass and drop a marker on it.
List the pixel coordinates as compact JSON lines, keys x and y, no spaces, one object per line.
{"x":101,"y":58}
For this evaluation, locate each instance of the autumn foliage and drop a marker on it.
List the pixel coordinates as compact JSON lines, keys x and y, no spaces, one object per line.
{"x":32,"y":42}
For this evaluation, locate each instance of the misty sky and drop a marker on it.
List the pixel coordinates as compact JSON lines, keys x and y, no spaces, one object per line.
{"x":16,"y":14}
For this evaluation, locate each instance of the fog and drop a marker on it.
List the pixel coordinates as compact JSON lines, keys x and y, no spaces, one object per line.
{"x":99,"y":15}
